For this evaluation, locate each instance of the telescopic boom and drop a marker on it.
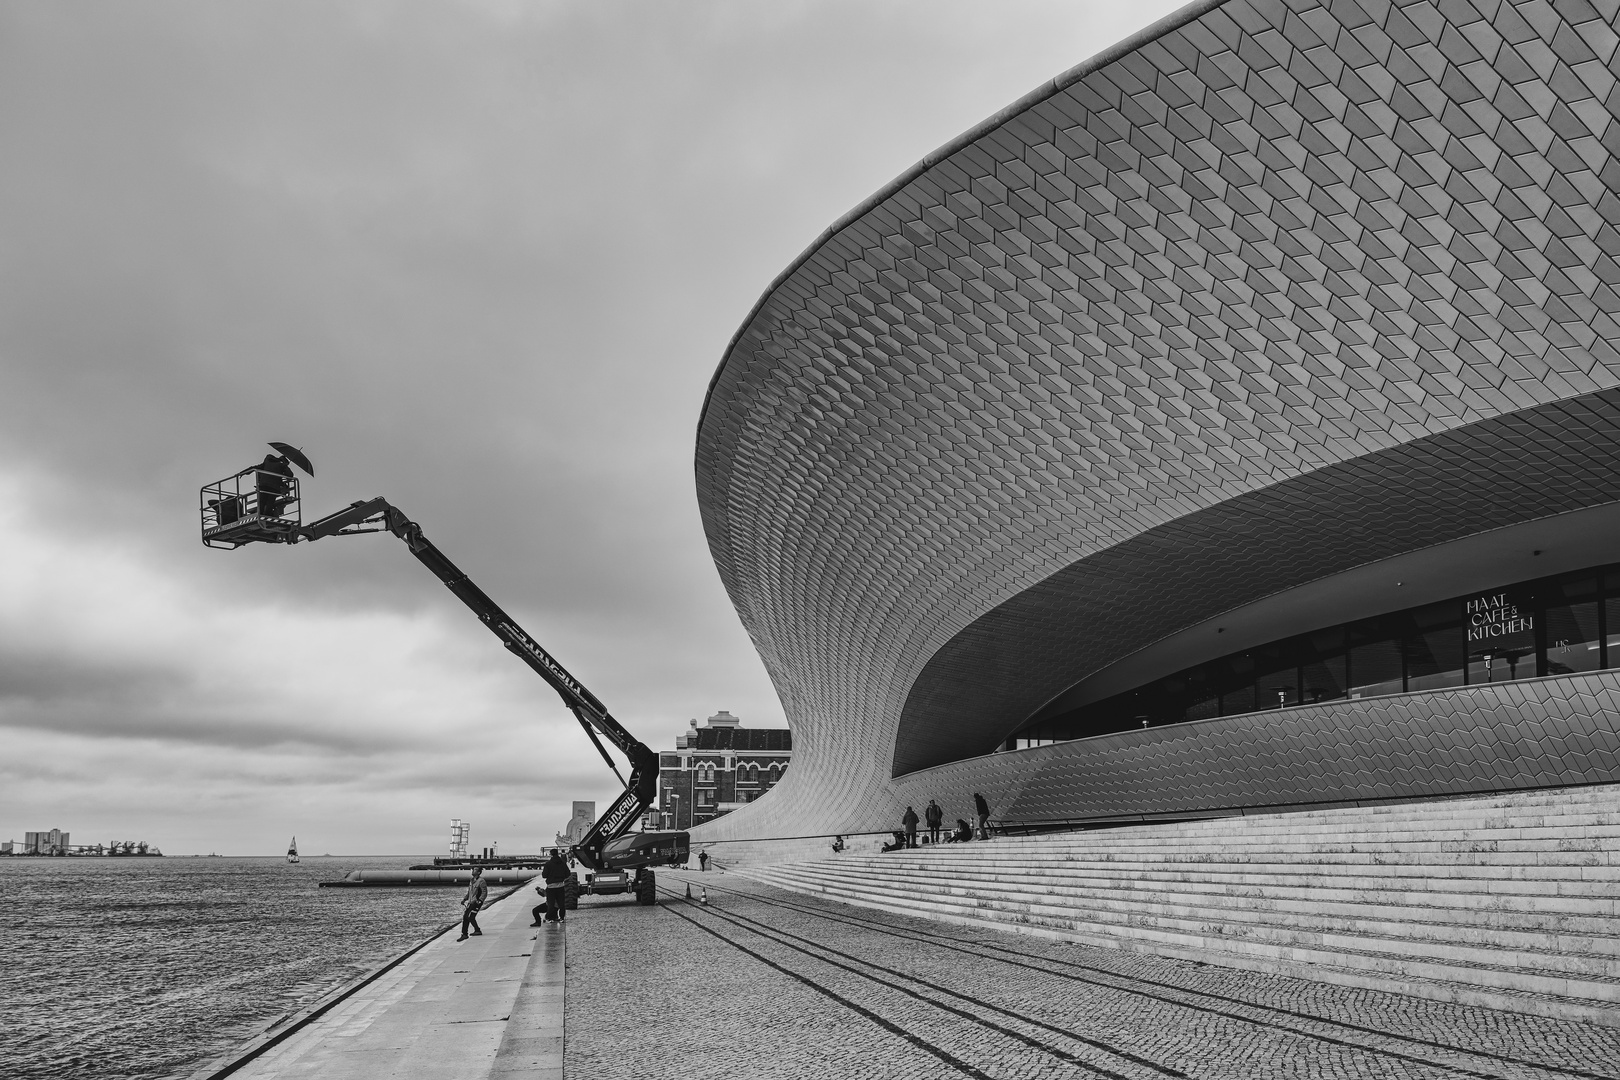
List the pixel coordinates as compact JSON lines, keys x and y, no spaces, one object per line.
{"x":260,"y":504}
{"x":376,"y":515}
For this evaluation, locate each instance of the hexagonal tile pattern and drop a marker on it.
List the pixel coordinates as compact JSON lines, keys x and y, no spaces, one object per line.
{"x":1545,"y":733}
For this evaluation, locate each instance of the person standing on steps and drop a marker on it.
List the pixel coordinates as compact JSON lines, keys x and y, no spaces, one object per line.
{"x":477,"y":891}
{"x":910,"y":822}
{"x":935,"y":818}
{"x":982,"y":808}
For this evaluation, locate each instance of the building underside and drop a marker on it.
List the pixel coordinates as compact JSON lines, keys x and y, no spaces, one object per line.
{"x":1231,"y":423}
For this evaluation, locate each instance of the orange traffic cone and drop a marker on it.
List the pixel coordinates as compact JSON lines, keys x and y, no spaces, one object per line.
{"x":689,"y":890}
{"x":704,"y":896}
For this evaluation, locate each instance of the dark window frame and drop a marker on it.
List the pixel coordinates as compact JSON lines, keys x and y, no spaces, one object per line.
{"x":1236,"y":692}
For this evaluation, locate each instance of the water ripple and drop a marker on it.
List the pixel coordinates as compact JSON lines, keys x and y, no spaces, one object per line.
{"x":143,"y":969}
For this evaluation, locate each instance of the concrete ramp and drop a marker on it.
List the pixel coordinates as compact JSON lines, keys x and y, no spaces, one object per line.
{"x":489,"y":1006}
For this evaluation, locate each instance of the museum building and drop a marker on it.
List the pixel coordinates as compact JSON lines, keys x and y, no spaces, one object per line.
{"x":1232,"y":422}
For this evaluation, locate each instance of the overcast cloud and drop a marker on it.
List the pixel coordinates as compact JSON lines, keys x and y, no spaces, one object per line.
{"x":479,"y":258}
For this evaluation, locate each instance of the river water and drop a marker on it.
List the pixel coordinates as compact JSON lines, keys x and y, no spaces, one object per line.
{"x":143,"y":969}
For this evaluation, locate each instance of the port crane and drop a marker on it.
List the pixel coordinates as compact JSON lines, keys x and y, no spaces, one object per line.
{"x":261,"y":504}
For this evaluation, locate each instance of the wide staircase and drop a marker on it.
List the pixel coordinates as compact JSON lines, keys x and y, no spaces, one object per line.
{"x":1510,"y":901}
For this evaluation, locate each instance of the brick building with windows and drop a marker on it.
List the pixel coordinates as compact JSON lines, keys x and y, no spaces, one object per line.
{"x":716,"y":768}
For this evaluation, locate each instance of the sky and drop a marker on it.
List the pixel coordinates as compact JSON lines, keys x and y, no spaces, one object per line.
{"x":479,"y":258}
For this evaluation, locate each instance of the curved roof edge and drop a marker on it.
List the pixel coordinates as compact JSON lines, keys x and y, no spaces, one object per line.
{"x":1178,"y":18}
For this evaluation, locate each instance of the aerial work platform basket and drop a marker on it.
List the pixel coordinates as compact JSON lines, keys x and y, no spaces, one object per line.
{"x":260,"y":503}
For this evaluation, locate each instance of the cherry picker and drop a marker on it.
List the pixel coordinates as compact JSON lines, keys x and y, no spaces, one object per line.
{"x":261,"y":504}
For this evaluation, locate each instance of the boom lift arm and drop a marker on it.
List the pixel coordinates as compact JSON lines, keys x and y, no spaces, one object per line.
{"x":260,"y":504}
{"x":378,"y":515}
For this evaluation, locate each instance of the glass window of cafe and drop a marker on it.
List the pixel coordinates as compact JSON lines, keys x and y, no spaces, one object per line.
{"x":1553,"y":626}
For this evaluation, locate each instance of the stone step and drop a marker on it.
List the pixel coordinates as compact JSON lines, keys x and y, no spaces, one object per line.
{"x":1373,"y":864}
{"x":1602,"y":797}
{"x":1546,"y":895}
{"x":1591,"y":951}
{"x":1592,"y":812}
{"x":1441,"y":894}
{"x":1541,"y":832}
{"x":1509,"y":901}
{"x":1283,"y":934}
{"x":1500,"y":978}
{"x":1602,"y":812}
{"x":1466,"y":868}
{"x":1464,"y":865}
{"x":1549,"y":954}
{"x":1600,"y":849}
{"x":1596,"y":915}
{"x":1528,"y":837}
{"x":1603,"y":849}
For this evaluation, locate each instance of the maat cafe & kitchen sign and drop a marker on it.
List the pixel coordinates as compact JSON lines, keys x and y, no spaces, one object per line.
{"x":1498,"y":618}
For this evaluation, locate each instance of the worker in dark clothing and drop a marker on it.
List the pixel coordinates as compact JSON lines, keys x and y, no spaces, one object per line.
{"x":910,"y":822}
{"x":983,"y":810}
{"x":271,"y":477}
{"x":555,"y":874}
{"x":935,"y":818}
{"x":477,"y":892}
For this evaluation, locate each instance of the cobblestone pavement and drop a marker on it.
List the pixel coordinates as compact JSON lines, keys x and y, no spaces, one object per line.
{"x":760,"y":982}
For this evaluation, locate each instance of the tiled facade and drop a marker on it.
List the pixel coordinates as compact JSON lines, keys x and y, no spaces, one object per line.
{"x":1537,"y":733}
{"x":715,"y":769}
{"x":1274,"y":292}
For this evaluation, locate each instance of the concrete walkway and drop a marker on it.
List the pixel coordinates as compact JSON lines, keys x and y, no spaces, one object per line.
{"x":749,"y":982}
{"x":490,"y":1006}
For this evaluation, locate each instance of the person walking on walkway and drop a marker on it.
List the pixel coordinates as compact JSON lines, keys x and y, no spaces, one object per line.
{"x":477,"y":891}
{"x":703,"y":861}
{"x":910,"y":822}
{"x":982,"y":808}
{"x":555,"y":874}
{"x":935,"y":818}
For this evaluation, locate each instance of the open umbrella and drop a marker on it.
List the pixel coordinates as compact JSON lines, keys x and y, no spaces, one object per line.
{"x":294,"y":455}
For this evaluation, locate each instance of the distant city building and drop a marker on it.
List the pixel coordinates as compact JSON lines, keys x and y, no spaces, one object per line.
{"x":580,"y":824}
{"x":57,"y":842}
{"x":716,"y":768}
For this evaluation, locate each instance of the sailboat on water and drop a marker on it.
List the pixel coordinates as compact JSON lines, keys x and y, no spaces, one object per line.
{"x":292,"y":850}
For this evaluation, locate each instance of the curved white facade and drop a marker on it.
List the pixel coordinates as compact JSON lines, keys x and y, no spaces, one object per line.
{"x":1274,"y":295}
